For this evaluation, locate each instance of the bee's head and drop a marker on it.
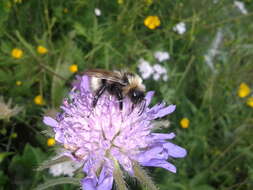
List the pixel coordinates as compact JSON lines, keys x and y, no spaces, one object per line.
{"x":136,"y":95}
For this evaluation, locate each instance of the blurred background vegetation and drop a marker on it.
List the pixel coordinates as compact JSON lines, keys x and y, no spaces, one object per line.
{"x":43,"y":44}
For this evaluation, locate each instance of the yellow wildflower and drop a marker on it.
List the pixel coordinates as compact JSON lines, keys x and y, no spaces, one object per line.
{"x":18,"y":82}
{"x":148,"y":2}
{"x":38,"y":100}
{"x":17,"y":1}
{"x":243,"y":90}
{"x":73,"y":68}
{"x":50,"y":142}
{"x":16,"y":53}
{"x":250,"y":102}
{"x":120,"y":2}
{"x":185,"y":122}
{"x":65,"y":10}
{"x":152,"y":22}
{"x":42,"y":50}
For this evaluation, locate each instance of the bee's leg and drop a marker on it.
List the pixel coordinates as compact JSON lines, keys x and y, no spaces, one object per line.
{"x":119,"y":97}
{"x":99,"y":92}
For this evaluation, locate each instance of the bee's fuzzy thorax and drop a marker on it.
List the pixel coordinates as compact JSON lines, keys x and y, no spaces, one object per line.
{"x":135,"y":82}
{"x":95,"y":83}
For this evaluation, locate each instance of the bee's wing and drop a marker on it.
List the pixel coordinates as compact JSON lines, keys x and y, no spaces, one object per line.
{"x":104,"y":74}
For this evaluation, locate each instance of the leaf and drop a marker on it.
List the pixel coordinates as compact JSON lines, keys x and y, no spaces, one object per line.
{"x":22,"y":167}
{"x":4,"y":179}
{"x":59,"y":181}
{"x":69,"y":53}
{"x":3,"y":155}
{"x":58,"y":91}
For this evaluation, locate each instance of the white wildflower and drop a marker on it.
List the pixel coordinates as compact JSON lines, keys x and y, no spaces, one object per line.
{"x":213,"y":50}
{"x":162,"y":56}
{"x":65,"y":168}
{"x":97,"y":12}
{"x":180,"y":28}
{"x":6,"y":111}
{"x":156,"y":76}
{"x":240,"y":5}
{"x":165,"y":77}
{"x":145,"y":69}
{"x":160,"y":71}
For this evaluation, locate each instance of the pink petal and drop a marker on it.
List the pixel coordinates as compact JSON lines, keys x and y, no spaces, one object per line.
{"x":160,"y":163}
{"x":50,"y":121}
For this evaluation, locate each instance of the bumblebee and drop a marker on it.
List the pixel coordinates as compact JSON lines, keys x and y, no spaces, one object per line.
{"x":120,"y":84}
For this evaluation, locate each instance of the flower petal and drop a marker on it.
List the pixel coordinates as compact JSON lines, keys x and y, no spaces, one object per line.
{"x":105,"y":180}
{"x":149,"y":97}
{"x":160,"y":163}
{"x":174,"y":150}
{"x":150,"y":154}
{"x":85,"y":83}
{"x":50,"y":121}
{"x":89,"y":183}
{"x":162,"y":136}
{"x":165,"y":111}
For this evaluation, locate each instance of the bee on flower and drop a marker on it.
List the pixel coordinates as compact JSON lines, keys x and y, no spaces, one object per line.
{"x":105,"y":139}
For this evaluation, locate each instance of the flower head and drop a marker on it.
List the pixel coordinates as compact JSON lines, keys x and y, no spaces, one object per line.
{"x":50,"y":142}
{"x":250,"y":102}
{"x":18,"y":82}
{"x":104,"y":137}
{"x":38,"y":100}
{"x":149,"y":2}
{"x":185,"y":122}
{"x":17,"y":1}
{"x":65,"y":10}
{"x":162,"y":56}
{"x":160,"y":71}
{"x":243,"y":90}
{"x":241,"y":7}
{"x":6,"y":111}
{"x":145,"y":69}
{"x":152,"y":22}
{"x":180,"y":28}
{"x":97,"y":12}
{"x":120,"y":2}
{"x":42,"y":50}
{"x":64,"y":168}
{"x":73,"y":68}
{"x":17,"y":53}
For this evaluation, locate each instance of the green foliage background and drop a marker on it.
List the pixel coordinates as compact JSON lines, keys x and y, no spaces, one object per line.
{"x":219,"y":139}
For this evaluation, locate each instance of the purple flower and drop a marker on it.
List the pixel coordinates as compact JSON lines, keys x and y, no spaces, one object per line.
{"x":105,"y":137}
